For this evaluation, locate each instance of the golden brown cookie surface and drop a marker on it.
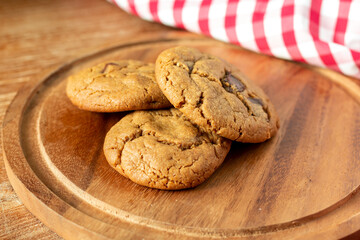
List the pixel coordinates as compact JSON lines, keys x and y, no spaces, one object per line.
{"x":215,"y":95}
{"x":116,"y":86}
{"x":162,"y":149}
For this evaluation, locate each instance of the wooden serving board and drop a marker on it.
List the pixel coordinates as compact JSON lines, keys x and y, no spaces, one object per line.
{"x":302,"y":183}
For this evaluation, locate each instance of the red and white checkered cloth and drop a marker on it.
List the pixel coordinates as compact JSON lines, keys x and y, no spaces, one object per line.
{"x":320,"y":32}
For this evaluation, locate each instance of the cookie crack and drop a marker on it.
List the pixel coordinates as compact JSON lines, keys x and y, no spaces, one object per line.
{"x":189,"y":165}
{"x":199,"y":104}
{"x":160,"y":177}
{"x":182,"y":103}
{"x":192,"y":70}
{"x":108,"y":64}
{"x":205,"y":75}
{"x":202,"y":74}
{"x":181,"y":146}
{"x":146,"y":169}
{"x":160,"y":113}
{"x":150,"y":78}
{"x":236,"y":86}
{"x":181,"y":65}
{"x":122,"y":142}
{"x":201,"y":100}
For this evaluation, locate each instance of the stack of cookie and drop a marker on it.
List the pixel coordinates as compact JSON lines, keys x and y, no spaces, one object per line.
{"x":209,"y":103}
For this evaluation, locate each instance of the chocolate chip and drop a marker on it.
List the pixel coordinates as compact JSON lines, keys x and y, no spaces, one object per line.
{"x":240,"y":87}
{"x":256,"y":101}
{"x":106,"y":65}
{"x":232,"y":84}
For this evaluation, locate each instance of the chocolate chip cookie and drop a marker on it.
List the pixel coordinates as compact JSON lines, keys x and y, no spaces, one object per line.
{"x":163,"y":149}
{"x":215,"y":95}
{"x":116,"y":86}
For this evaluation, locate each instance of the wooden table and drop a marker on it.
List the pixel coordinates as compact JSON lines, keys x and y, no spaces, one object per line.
{"x":36,"y":35}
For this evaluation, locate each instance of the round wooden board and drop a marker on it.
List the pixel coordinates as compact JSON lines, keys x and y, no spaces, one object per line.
{"x":302,"y":183}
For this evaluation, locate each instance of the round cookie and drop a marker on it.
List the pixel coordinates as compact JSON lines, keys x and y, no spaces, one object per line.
{"x":116,"y":86}
{"x":163,"y":149}
{"x":215,"y":95}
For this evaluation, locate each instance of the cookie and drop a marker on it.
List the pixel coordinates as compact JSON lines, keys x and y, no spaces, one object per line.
{"x":116,"y":86}
{"x":163,"y":149}
{"x":215,"y":95}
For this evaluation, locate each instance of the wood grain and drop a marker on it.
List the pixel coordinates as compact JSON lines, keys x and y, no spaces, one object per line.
{"x":38,"y":35}
{"x":283,"y":187}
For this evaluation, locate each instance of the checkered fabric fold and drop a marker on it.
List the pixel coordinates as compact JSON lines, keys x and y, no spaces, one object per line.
{"x":320,"y":32}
